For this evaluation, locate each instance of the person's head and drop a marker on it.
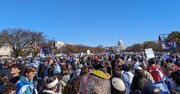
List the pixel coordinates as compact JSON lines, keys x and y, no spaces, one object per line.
{"x":170,"y":69}
{"x":59,"y":76}
{"x":163,"y":63}
{"x":131,"y":63}
{"x":139,"y":72}
{"x":9,"y":89}
{"x":50,"y":61}
{"x":8,"y":63}
{"x":16,"y":69}
{"x":54,"y":65}
{"x":30,"y":72}
{"x":67,"y":89}
{"x":57,"y":59}
{"x":126,"y":67}
{"x":85,"y":70}
{"x":65,"y":72}
{"x":73,"y":87}
{"x":117,"y":73}
{"x":119,"y":62}
{"x":45,"y":61}
{"x":51,"y":83}
{"x":152,"y":61}
{"x":143,"y":67}
{"x":176,"y":76}
{"x":117,"y":86}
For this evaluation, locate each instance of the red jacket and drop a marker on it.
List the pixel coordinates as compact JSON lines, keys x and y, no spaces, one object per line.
{"x":155,"y":74}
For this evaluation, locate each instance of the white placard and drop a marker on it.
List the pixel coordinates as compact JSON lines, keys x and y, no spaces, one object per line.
{"x":88,"y":52}
{"x":82,"y":54}
{"x":149,"y":53}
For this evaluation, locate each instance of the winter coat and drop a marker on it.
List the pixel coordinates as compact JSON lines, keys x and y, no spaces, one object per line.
{"x":6,"y":71}
{"x":148,"y":76}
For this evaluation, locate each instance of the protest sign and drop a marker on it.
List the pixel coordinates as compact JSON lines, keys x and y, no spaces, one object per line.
{"x":149,"y":53}
{"x":88,"y":52}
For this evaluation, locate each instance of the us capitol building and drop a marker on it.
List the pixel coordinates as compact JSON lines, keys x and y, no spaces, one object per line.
{"x":118,"y":48}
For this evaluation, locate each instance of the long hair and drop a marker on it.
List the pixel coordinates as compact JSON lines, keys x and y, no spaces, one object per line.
{"x":73,"y":87}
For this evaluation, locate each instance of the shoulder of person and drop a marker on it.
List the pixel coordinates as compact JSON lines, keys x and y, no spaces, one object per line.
{"x":173,"y":91}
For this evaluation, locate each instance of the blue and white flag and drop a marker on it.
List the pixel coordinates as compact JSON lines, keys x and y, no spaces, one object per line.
{"x":161,"y":85}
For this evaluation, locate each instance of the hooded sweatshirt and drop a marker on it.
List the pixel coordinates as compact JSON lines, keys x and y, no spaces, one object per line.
{"x":23,"y":86}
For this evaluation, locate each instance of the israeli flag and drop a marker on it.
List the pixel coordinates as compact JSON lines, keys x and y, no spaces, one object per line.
{"x":161,"y":85}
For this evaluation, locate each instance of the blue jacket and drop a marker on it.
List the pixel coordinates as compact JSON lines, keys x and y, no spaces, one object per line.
{"x":23,"y":86}
{"x":58,"y":69}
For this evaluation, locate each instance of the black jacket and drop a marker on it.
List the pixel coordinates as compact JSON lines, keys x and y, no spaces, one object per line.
{"x":6,"y":71}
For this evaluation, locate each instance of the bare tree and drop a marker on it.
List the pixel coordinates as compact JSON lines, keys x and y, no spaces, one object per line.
{"x":71,"y":48}
{"x":20,"y":40}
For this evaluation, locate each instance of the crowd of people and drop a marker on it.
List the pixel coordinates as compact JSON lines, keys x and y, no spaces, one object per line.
{"x":91,"y":74}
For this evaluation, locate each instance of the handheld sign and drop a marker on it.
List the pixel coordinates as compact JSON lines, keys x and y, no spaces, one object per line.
{"x":149,"y":53}
{"x":88,"y":52}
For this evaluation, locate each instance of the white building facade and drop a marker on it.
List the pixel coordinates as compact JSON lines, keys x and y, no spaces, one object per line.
{"x":5,"y":51}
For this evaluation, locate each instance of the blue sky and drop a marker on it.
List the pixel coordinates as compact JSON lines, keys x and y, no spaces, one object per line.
{"x":93,"y":22}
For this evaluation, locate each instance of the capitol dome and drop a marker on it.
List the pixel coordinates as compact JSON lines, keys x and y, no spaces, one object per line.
{"x":60,"y":42}
{"x":120,"y":43}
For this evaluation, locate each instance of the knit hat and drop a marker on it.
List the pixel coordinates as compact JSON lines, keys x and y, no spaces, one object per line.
{"x":117,"y":85}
